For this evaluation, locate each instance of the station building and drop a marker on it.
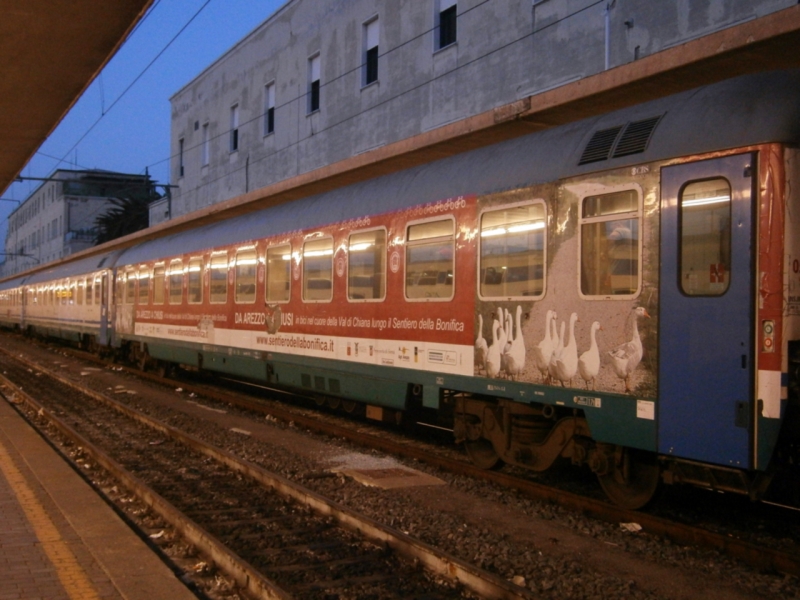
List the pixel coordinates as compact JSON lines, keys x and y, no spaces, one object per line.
{"x":58,"y":218}
{"x":324,"y":80}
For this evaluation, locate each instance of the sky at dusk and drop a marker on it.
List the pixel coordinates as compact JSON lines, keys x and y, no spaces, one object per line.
{"x":117,"y":130}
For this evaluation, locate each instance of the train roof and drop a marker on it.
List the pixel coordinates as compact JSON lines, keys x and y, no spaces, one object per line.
{"x":75,"y":268}
{"x":746,"y":110}
{"x":10,"y":284}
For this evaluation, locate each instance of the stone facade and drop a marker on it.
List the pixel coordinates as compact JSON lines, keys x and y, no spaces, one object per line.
{"x":58,"y":218}
{"x":249,"y":120}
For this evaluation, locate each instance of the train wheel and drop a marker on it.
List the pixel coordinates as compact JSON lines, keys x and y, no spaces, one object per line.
{"x":482,"y":454}
{"x":333,"y":403}
{"x":631,"y":480}
{"x":349,"y":406}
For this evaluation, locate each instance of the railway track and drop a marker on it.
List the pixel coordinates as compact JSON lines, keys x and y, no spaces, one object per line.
{"x":753,"y":554}
{"x":275,"y":538}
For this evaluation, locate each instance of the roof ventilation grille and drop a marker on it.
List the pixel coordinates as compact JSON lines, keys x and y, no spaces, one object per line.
{"x":600,"y":145}
{"x":635,"y":137}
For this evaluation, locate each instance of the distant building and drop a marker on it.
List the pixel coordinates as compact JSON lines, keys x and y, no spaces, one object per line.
{"x":58,"y":218}
{"x":323,"y":80}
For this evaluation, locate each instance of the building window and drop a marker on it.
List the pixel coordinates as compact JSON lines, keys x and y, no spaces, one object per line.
{"x":180,"y":157}
{"x":204,"y":148}
{"x":446,"y":31}
{"x":269,"y":108}
{"x":610,"y":245}
{"x":313,"y":83}
{"x":370,"y":67}
{"x":234,"y":145}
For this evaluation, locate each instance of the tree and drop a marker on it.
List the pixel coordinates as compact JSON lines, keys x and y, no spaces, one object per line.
{"x":129,"y":213}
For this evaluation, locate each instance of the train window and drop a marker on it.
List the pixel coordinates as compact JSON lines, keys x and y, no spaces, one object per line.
{"x":72,"y":292}
{"x":366,"y":265}
{"x":195,"y":284}
{"x":279,"y":263}
{"x":610,"y":244}
{"x":318,"y":270}
{"x":175,"y":282}
{"x":430,"y":260}
{"x":245,"y":275}
{"x":218,"y":291}
{"x":705,"y":208}
{"x":144,"y":285}
{"x":130,"y":287}
{"x":79,"y":292}
{"x":158,"y":284}
{"x":89,"y":286}
{"x":512,"y":252}
{"x":99,"y":292}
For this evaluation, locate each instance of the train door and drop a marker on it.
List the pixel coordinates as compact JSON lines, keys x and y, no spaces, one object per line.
{"x":104,"y":309}
{"x":706,"y":311}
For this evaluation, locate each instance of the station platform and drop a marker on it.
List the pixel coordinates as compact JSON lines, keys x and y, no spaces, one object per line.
{"x":58,"y":538}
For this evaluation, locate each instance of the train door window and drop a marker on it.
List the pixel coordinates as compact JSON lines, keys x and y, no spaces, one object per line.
{"x":158,"y":284}
{"x":610,"y":245}
{"x":98,"y":290}
{"x":72,"y":292}
{"x":89,"y":286}
{"x":218,"y":287}
{"x":245,"y":275}
{"x":279,"y":268}
{"x":512,"y":254}
{"x":130,"y":287}
{"x":195,"y":283}
{"x":175,"y":282}
{"x":79,"y":289}
{"x":366,"y":265}
{"x":705,"y":237}
{"x":144,"y":286}
{"x":318,"y":270}
{"x":430,"y":251}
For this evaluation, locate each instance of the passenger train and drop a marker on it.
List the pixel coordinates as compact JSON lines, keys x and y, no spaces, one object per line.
{"x":621,"y":292}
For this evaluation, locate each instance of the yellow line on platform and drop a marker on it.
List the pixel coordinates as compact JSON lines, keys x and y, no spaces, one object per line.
{"x":74,"y":579}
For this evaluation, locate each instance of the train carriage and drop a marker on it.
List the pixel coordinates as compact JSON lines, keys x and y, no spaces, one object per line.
{"x":69,"y":301}
{"x":621,"y":292}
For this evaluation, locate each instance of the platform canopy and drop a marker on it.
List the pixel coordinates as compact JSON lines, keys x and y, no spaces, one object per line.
{"x":49,"y":53}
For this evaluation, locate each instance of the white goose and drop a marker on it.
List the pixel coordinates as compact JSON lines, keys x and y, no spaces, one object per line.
{"x":515,"y":361}
{"x":567,"y":361}
{"x":626,"y":357}
{"x":544,"y":349}
{"x":481,"y":347}
{"x":589,"y":361}
{"x":493,"y":354}
{"x":557,"y":350}
{"x":508,"y":329}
